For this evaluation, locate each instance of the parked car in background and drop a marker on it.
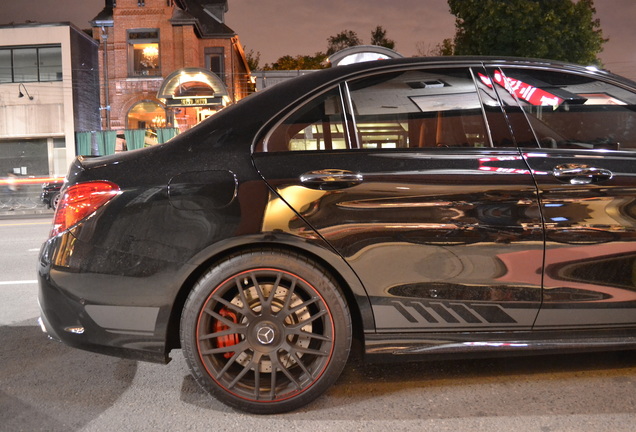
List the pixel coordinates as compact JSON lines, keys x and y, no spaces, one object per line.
{"x":50,"y":195}
{"x":425,"y":207}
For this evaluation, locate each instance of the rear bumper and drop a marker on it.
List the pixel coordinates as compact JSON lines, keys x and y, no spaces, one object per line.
{"x":79,"y":318}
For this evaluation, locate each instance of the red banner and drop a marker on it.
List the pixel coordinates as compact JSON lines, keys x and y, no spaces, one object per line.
{"x":523,"y":91}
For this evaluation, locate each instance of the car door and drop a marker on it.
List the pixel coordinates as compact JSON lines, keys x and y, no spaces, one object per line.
{"x":413,"y":178}
{"x":583,"y":156}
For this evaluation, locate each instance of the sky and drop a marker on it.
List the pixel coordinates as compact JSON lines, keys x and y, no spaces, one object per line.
{"x":275,"y":28}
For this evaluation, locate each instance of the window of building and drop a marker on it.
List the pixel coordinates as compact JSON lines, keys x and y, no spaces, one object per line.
{"x":143,"y":53}
{"x":146,"y":115}
{"x":30,"y":64}
{"x":215,"y":61}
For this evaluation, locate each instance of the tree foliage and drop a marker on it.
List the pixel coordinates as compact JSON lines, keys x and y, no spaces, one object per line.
{"x":378,"y":37}
{"x":556,"y":29}
{"x":299,"y":62}
{"x":253,"y":59}
{"x":344,"y":39}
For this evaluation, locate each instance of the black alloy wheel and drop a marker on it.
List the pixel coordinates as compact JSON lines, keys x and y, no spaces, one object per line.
{"x":266,"y":331}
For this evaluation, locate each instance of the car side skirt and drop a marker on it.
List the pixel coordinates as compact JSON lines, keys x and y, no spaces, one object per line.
{"x":435,"y":346}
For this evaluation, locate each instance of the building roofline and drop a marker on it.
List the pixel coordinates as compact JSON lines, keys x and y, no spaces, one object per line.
{"x":34,"y":24}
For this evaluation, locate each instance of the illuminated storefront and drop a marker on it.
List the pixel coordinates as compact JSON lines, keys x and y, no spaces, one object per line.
{"x":191,"y":95}
{"x":165,"y":65}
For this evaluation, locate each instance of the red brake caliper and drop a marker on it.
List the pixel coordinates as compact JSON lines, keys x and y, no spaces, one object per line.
{"x":227,"y":340}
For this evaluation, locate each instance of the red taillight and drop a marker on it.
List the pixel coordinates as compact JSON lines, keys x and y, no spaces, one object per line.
{"x":80,"y":201}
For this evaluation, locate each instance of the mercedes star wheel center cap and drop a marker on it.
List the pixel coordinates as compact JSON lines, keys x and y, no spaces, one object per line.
{"x":265,"y":334}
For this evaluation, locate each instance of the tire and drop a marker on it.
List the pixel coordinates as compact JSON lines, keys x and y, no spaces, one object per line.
{"x":55,"y":199}
{"x":266,"y":331}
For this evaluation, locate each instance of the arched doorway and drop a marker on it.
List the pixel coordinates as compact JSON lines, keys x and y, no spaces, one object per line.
{"x":149,"y":116}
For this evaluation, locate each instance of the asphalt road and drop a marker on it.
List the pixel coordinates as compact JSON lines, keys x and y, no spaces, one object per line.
{"x":46,"y":386}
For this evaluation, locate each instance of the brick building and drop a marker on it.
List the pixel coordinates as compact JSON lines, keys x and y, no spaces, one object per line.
{"x":166,"y":64}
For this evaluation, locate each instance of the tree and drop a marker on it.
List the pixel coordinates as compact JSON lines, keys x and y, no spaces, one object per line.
{"x":299,"y":62}
{"x":557,"y":29}
{"x":344,"y":39}
{"x":378,"y":37}
{"x":253,"y":59}
{"x":444,"y":48}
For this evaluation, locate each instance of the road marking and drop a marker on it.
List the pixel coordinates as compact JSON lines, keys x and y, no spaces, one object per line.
{"x":25,"y":223}
{"x":34,"y":250}
{"x":25,"y":282}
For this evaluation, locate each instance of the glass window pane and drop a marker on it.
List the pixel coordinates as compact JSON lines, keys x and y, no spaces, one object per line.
{"x":429,"y":108}
{"x":50,"y":63}
{"x":25,"y":64}
{"x":6,"y":75}
{"x":214,"y":61}
{"x":143,"y":53}
{"x":317,"y":125}
{"x":573,"y":111}
{"x":146,"y":60}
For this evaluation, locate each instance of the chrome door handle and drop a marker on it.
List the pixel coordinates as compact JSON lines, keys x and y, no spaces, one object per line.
{"x":330,"y":179}
{"x":581,"y":174}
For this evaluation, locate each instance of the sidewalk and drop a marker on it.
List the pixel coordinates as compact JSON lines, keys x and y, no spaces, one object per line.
{"x":23,"y":202}
{"x":37,"y":211}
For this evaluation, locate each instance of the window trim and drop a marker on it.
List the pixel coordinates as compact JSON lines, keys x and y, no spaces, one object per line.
{"x":349,"y":118}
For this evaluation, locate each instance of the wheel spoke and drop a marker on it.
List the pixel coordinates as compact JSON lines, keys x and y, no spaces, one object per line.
{"x":229,"y":323}
{"x":241,"y":293}
{"x":309,"y":320}
{"x":239,"y":328}
{"x":272,"y":293}
{"x":276,"y":361}
{"x":310,"y":351}
{"x":272,"y":383}
{"x":238,"y":348}
{"x":245,"y":310}
{"x":257,"y":383}
{"x":257,"y":288}
{"x":302,"y":305}
{"x":301,"y":364}
{"x":240,"y":375}
{"x":288,"y":295}
{"x":231,"y":361}
{"x":300,"y":332}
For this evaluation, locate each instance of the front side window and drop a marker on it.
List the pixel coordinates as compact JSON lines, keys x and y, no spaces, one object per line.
{"x":570,"y":111}
{"x":143,"y":53}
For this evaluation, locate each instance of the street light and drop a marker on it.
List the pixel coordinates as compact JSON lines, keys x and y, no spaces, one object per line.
{"x":20,"y":94}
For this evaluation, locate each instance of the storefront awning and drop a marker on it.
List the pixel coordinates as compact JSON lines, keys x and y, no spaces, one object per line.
{"x":193,"y":87}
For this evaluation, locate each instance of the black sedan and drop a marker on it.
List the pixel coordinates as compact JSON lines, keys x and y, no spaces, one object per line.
{"x":50,"y":195}
{"x":425,"y":207}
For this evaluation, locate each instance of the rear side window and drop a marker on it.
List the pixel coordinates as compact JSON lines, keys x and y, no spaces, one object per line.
{"x":436,"y":108}
{"x":570,"y":111}
{"x":317,"y":125}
